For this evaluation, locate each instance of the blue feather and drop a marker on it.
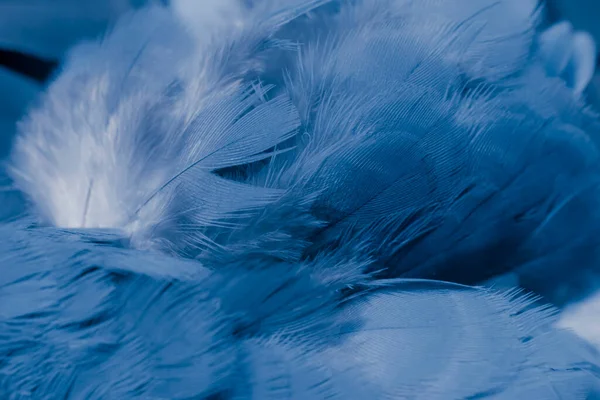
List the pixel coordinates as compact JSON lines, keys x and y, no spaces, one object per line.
{"x":226,"y":200}
{"x":454,"y":178}
{"x":73,"y":326}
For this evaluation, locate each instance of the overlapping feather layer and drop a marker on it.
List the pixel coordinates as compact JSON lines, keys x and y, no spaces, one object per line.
{"x":261,"y":200}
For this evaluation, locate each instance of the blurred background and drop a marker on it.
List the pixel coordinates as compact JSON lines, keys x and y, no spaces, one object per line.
{"x":36,"y":34}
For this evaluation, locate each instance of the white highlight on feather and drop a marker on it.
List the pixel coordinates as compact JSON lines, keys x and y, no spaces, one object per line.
{"x":582,"y":319}
{"x":570,"y":54}
{"x":200,"y":16}
{"x":78,"y":156}
{"x":584,"y":58}
{"x":72,"y":160}
{"x":128,"y":135}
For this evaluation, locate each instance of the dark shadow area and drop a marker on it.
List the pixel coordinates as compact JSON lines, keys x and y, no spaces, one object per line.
{"x":25,"y":64}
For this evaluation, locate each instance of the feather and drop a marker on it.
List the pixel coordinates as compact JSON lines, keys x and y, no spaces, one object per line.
{"x":76,"y":327}
{"x":75,"y":320}
{"x":34,"y":38}
{"x":213,"y":123}
{"x":216,"y":195}
{"x":582,"y":13}
{"x":568,"y":53}
{"x":462,"y":146}
{"x":437,"y":160}
{"x":400,"y":329}
{"x":583,"y":64}
{"x":580,"y":317}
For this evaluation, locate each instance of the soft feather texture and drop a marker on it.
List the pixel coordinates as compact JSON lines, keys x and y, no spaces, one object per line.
{"x":581,"y":317}
{"x":217,"y":195}
{"x":83,"y":321}
{"x":481,"y":166}
{"x":568,"y":53}
{"x":37,"y":34}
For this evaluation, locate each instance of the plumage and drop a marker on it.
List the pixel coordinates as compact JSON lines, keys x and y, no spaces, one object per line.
{"x":474,"y":153}
{"x":287,"y":199}
{"x":568,"y":53}
{"x":82,"y":320}
{"x":34,"y":37}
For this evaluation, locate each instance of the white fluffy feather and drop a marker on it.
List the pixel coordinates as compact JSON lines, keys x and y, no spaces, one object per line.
{"x":124,"y":121}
